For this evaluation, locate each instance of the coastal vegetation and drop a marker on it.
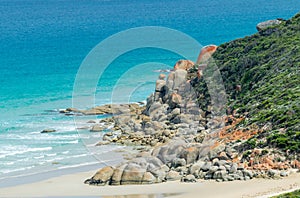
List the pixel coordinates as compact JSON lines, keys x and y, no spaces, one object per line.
{"x":266,"y":66}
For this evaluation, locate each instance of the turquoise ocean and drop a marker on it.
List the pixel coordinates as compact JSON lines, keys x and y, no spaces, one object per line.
{"x":43,"y":43}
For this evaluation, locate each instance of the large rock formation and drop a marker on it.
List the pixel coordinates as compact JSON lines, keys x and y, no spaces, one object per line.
{"x":173,"y":123}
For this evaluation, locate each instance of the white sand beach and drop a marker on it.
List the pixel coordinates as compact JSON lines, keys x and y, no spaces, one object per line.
{"x":72,"y":185}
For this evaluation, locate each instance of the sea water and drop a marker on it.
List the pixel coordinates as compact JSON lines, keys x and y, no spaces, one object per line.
{"x":43,"y":43}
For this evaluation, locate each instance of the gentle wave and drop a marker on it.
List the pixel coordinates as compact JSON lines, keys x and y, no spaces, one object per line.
{"x":60,"y":157}
{"x":51,"y":154}
{"x":78,"y":165}
{"x":5,"y":171}
{"x":42,"y":137}
{"x":39,"y":157}
{"x":12,"y":153}
{"x":8,"y":163}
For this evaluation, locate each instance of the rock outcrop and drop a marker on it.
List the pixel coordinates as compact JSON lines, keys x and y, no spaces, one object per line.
{"x":266,"y":24}
{"x":113,"y":109}
{"x":186,"y":140}
{"x":174,"y":125}
{"x":175,"y":160}
{"x":97,"y":128}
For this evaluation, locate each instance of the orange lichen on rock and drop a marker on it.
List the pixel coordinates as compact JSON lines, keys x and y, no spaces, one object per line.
{"x":206,"y":53}
{"x":266,"y":163}
{"x":295,"y":164}
{"x":184,"y":64}
{"x":176,"y":98}
{"x":237,"y":135}
{"x":230,"y":134}
{"x":257,"y":159}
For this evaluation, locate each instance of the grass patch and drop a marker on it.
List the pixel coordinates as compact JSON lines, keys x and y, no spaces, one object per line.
{"x":295,"y":194}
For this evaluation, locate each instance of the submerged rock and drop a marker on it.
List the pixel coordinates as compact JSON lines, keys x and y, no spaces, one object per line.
{"x":48,"y":131}
{"x":102,"y":143}
{"x":97,"y":128}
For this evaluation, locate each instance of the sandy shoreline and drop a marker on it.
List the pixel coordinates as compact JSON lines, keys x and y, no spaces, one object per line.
{"x":72,"y":186}
{"x":107,"y":159}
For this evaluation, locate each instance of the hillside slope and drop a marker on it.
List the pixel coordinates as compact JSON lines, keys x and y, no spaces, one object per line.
{"x":262,"y":81}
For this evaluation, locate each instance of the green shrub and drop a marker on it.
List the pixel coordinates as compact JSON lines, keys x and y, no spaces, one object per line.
{"x":294,"y":194}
